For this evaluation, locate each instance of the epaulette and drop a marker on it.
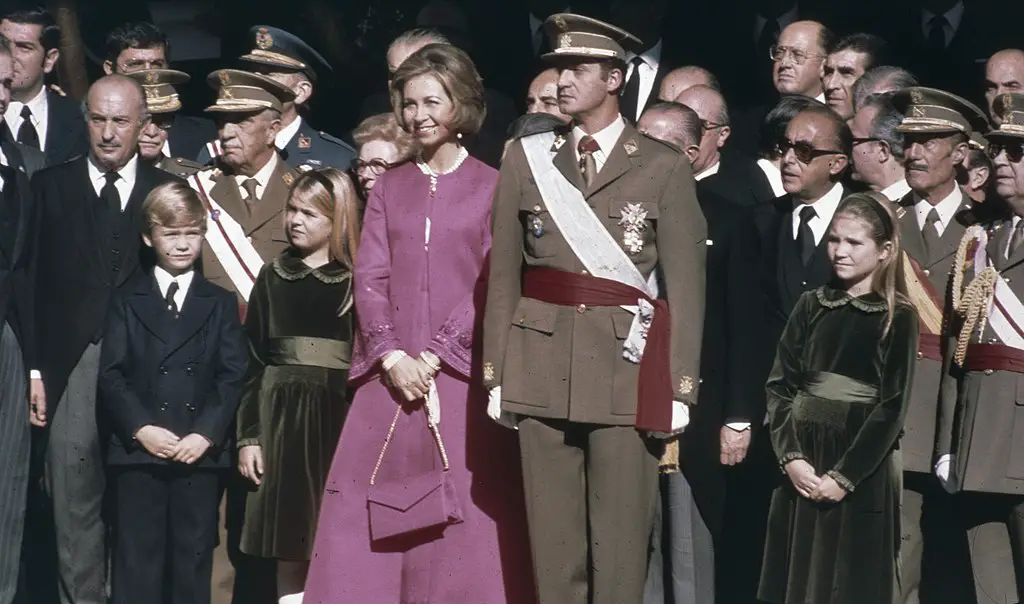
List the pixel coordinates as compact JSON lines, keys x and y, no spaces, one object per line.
{"x":333,"y":139}
{"x":188,"y":163}
{"x":661,"y":143}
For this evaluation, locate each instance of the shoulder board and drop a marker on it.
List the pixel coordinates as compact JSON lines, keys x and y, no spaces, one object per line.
{"x":188,"y":163}
{"x":647,"y":138}
{"x":332,"y":139}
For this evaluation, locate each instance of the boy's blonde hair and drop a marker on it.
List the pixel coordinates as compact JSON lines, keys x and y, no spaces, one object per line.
{"x":172,"y":205}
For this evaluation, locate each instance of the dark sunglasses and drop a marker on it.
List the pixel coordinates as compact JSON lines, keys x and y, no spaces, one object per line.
{"x":805,"y":153}
{"x":1014,"y":150}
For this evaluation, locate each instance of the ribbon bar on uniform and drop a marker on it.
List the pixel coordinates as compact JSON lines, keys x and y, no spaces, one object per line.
{"x":654,"y":388}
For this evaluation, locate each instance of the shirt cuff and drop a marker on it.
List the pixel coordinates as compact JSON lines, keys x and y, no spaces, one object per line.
{"x":35,"y":374}
{"x":391,"y":359}
{"x":738,"y":426}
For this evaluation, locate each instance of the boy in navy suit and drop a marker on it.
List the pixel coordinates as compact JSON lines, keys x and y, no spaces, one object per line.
{"x":171,"y":372}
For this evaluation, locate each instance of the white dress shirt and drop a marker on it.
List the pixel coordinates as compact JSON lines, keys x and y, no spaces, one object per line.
{"x":287,"y":133}
{"x":708,"y":171}
{"x":947,"y":209}
{"x":164,"y":280}
{"x":1009,"y":238}
{"x":124,"y":185}
{"x":896,"y":191}
{"x":774,"y":176}
{"x":824,"y":209}
{"x":166,"y":150}
{"x":954,"y":17}
{"x":40,"y":116}
{"x":3,"y":161}
{"x":262,"y":178}
{"x":606,"y":139}
{"x":648,"y":70}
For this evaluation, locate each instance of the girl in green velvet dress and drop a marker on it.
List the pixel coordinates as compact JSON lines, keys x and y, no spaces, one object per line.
{"x":837,"y":396}
{"x":299,"y":326}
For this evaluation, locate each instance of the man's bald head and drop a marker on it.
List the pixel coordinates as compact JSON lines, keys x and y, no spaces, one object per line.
{"x":800,"y":55}
{"x":115,"y":114}
{"x":1004,"y":72}
{"x":129,"y":87}
{"x":710,"y":106}
{"x":682,"y":78}
{"x":675,"y":124}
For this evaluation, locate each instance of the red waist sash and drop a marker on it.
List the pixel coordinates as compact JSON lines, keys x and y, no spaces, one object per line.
{"x":930,"y":347}
{"x":994,"y":357}
{"x":654,"y":389}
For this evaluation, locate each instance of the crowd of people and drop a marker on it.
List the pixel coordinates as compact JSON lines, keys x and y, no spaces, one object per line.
{"x":629,"y":347}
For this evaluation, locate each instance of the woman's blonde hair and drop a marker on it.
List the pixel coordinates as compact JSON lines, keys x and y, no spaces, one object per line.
{"x":385,"y":127}
{"x":876,"y":211}
{"x":457,"y":75}
{"x":172,"y":205}
{"x":332,"y":193}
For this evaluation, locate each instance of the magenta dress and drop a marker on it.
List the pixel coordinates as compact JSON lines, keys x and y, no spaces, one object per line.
{"x":415,"y":295}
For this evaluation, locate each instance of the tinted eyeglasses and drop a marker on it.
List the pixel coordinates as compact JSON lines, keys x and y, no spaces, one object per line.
{"x":708,"y":125}
{"x":1014,"y":150}
{"x":778,"y":54}
{"x":805,"y":152}
{"x":376,"y":165}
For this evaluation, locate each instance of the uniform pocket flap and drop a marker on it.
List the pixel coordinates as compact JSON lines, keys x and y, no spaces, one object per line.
{"x":650,"y":208}
{"x":622,"y":320}
{"x":536,"y":315}
{"x":405,"y":493}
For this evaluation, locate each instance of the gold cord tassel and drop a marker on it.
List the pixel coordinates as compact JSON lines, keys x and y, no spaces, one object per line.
{"x":670,"y":458}
{"x":971,"y":302}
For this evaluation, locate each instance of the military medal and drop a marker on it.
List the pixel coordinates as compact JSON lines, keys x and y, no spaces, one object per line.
{"x":536,"y":225}
{"x":633,"y":226}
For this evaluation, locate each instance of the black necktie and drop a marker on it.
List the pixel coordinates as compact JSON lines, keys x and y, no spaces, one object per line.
{"x":1016,"y":238}
{"x":932,"y":241}
{"x":27,"y":134}
{"x":805,"y":236}
{"x":172,"y":305}
{"x":769,"y":36}
{"x":109,"y":193}
{"x":937,"y":34}
{"x":631,"y":93}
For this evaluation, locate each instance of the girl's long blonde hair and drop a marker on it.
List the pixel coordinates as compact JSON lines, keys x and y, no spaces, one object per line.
{"x":333,"y":194}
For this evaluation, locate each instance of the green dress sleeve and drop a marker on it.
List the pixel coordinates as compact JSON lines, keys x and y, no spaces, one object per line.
{"x":783,"y":381}
{"x":256,"y":331}
{"x":880,"y":430}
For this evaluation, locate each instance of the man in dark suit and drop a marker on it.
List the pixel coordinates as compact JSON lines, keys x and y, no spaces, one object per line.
{"x":142,"y":46}
{"x":851,"y":57}
{"x":726,"y":175}
{"x":1004,"y":72}
{"x":784,"y":241}
{"x":647,"y":68}
{"x":86,"y":229}
{"x":16,"y":308}
{"x":36,"y":116}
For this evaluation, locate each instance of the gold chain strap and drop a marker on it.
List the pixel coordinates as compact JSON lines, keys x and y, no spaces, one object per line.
{"x":971,"y":302}
{"x":434,"y":430}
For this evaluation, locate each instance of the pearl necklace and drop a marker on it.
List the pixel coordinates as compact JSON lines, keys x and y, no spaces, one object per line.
{"x":426,"y":169}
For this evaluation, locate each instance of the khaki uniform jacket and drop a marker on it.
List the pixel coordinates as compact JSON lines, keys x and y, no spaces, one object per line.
{"x":566,"y":362}
{"x":918,"y":442}
{"x":264,"y":225}
{"x":981,"y":413}
{"x":179,"y":166}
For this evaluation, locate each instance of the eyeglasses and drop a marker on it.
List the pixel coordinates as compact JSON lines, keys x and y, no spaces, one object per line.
{"x":376,"y":165}
{"x":779,"y":54}
{"x":804,"y":152}
{"x":707,"y":125}
{"x":861,"y":141}
{"x":1014,"y":150}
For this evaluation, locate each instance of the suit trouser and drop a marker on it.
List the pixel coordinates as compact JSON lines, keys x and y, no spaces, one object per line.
{"x":934,"y":554}
{"x":75,"y":480}
{"x":682,"y":567}
{"x":15,"y":450}
{"x":994,"y":525}
{"x":590,"y":496}
{"x":166,"y":526}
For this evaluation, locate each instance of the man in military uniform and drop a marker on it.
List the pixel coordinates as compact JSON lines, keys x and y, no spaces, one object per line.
{"x":980,"y":435}
{"x":288,"y":60}
{"x":591,"y":212}
{"x":162,"y":102}
{"x":245,"y":191}
{"x":936,"y":127}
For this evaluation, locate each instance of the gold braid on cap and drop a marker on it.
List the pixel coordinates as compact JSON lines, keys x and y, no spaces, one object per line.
{"x":971,"y":302}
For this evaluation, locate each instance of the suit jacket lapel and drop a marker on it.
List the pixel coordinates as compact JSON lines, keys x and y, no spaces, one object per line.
{"x":910,"y":232}
{"x":621,"y":158}
{"x":199,"y":303}
{"x":950,"y":237}
{"x":88,"y":207}
{"x":225,"y":193}
{"x":145,"y":180}
{"x":565,"y":161}
{"x":21,"y":198}
{"x":148,"y":305}
{"x":997,"y":242}
{"x":274,"y":195}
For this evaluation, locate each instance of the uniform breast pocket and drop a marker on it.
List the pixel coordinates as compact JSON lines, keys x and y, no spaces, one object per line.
{"x":636,"y":221}
{"x":539,"y":239}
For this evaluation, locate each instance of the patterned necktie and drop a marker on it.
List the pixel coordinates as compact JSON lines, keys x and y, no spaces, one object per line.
{"x":587,"y":147}
{"x":932,"y":241}
{"x":27,"y":134}
{"x":172,"y":305}
{"x":109,"y":193}
{"x":1016,"y":238}
{"x":250,"y":200}
{"x":804,"y":234}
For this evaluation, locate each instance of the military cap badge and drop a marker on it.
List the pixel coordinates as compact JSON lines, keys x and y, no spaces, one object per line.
{"x":263,"y":39}
{"x":151,"y":77}
{"x":225,"y":78}
{"x":564,"y":41}
{"x":915,"y":97}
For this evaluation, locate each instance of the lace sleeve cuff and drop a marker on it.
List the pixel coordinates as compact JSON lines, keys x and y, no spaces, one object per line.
{"x":453,"y":345}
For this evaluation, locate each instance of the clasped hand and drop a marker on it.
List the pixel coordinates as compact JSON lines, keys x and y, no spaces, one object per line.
{"x":164,"y":444}
{"x":808,"y":484}
{"x":411,"y":377}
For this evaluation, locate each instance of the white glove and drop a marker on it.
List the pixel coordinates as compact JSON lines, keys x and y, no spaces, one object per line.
{"x":494,"y":411}
{"x":680,"y":419}
{"x":943,"y":470}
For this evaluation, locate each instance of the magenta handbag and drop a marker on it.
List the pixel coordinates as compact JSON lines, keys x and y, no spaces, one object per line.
{"x":412,"y":503}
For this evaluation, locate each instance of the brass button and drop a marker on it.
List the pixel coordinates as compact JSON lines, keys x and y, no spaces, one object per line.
{"x":989,"y":372}
{"x":1006,"y":279}
{"x":927,"y":272}
{"x":536,"y":208}
{"x":993,"y":341}
{"x":522,"y":320}
{"x":582,"y":308}
{"x":584,"y":273}
{"x":920,"y":356}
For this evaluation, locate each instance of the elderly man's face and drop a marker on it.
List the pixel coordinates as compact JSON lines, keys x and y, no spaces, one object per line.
{"x":932,"y":160}
{"x":542,"y":96}
{"x":247,"y":139}
{"x":115,"y":119}
{"x":154,"y":136}
{"x":1004,"y":72}
{"x":1007,"y":156}
{"x":798,"y":61}
{"x":810,"y":159}
{"x":841,"y":70}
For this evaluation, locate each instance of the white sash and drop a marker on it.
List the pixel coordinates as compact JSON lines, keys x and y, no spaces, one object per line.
{"x":228,"y":240}
{"x":1005,"y":311}
{"x":588,"y":238}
